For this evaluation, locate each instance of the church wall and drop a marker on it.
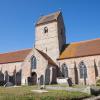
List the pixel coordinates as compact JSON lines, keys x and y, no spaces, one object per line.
{"x":51,"y":74}
{"x":8,"y":72}
{"x":91,"y":63}
{"x":40,"y":69}
{"x":10,"y":67}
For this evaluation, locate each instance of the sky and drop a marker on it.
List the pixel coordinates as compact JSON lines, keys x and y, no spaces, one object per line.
{"x":18,"y":18}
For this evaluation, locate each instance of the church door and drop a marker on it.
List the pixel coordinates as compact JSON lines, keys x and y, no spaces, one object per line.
{"x":34,"y":78}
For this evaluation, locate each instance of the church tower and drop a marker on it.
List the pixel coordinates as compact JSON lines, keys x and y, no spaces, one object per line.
{"x":50,"y":34}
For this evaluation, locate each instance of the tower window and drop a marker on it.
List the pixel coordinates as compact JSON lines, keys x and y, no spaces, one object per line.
{"x":45,"y":29}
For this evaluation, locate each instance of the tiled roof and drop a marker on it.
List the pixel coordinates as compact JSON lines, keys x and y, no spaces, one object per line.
{"x":80,"y":49}
{"x":16,"y":56}
{"x":48,"y":18}
{"x":50,"y":61}
{"x":19,"y":56}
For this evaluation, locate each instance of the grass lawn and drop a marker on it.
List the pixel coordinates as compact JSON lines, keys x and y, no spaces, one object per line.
{"x":25,"y":93}
{"x":65,"y":85}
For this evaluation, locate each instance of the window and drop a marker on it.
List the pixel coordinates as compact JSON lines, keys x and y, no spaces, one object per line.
{"x":83,"y":70}
{"x":33,"y":62}
{"x":46,"y":49}
{"x":99,"y":64}
{"x":64,"y":70}
{"x":45,"y":29}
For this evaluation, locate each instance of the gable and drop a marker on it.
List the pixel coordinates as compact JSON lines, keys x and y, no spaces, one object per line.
{"x":50,"y":61}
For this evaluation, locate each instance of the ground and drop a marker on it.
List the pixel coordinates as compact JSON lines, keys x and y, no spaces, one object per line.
{"x":25,"y":93}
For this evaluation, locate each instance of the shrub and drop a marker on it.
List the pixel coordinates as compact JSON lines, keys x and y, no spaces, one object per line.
{"x":98,"y":82}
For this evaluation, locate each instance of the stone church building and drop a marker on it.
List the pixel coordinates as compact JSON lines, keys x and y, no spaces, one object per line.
{"x":51,"y":58}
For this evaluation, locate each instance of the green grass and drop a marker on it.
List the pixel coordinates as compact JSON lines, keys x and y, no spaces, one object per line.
{"x":65,"y":85}
{"x":62,"y":85}
{"x":25,"y":93}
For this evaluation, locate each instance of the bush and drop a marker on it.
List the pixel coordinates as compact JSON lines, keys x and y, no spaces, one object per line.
{"x":98,"y":82}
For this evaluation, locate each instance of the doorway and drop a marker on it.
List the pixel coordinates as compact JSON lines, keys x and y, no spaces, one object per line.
{"x":34,"y":78}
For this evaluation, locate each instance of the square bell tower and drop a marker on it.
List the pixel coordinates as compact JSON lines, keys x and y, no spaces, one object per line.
{"x":50,"y":34}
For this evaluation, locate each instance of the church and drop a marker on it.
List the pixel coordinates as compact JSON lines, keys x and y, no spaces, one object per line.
{"x":52,"y":58}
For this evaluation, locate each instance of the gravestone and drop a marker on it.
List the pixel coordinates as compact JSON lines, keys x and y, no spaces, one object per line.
{"x":8,"y":84}
{"x":69,"y":82}
{"x":87,"y":90}
{"x":38,"y":83}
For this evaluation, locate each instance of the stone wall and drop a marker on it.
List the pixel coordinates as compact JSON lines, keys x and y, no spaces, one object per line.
{"x":9,"y":71}
{"x":10,"y":67}
{"x":48,"y":42}
{"x":52,"y":41}
{"x":40,"y":68}
{"x":93,"y":70}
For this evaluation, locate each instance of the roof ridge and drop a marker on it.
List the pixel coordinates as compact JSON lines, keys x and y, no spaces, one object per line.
{"x":16,"y":51}
{"x":85,"y":41}
{"x":49,"y":14}
{"x":81,"y":49}
{"x":48,"y":17}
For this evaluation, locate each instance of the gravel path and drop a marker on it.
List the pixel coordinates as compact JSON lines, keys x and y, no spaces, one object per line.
{"x":64,"y":88}
{"x":93,"y":98}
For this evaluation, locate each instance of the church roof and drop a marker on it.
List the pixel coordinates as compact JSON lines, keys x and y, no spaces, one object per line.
{"x":48,"y":18}
{"x":81,"y":49}
{"x":50,"y":61}
{"x":16,"y":56}
{"x":19,"y":56}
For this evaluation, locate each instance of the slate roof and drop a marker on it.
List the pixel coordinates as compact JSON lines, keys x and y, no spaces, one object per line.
{"x":48,"y":18}
{"x":81,"y":49}
{"x":17,"y":56}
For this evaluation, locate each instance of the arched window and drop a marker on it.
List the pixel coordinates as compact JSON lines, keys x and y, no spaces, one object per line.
{"x":45,"y":29}
{"x":64,"y":70}
{"x":99,"y":64}
{"x":33,"y":62}
{"x":83,"y":70}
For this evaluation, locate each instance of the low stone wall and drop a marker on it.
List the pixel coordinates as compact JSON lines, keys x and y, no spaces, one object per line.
{"x":62,"y":80}
{"x":67,"y":81}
